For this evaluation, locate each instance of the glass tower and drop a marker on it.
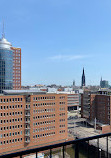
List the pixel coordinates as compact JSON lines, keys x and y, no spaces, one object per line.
{"x":6,"y":65}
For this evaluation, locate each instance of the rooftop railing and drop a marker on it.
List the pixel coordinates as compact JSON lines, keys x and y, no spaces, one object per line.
{"x":76,"y":143}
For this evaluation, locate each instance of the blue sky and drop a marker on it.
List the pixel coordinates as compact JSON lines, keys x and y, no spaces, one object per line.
{"x":58,"y":38}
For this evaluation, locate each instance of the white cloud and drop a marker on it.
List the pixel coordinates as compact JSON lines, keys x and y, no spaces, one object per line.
{"x":67,"y":57}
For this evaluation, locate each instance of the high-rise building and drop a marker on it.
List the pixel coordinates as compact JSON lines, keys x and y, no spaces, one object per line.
{"x":10,"y":66}
{"x":6,"y":65}
{"x":16,"y":68}
{"x":83,"y":79}
{"x":104,"y":83}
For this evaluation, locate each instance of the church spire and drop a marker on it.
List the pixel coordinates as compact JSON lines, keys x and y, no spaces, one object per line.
{"x":83,"y":78}
{"x":101,"y":82}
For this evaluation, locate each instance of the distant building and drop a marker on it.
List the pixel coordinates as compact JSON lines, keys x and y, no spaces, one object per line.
{"x":83,"y":79}
{"x":73,"y":101}
{"x":104,"y":83}
{"x":97,"y":105}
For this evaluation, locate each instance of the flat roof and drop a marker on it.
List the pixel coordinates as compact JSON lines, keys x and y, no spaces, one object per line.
{"x":23,"y":91}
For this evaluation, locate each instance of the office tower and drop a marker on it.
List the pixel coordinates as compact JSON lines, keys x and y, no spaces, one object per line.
{"x":83,"y":79}
{"x":10,"y":66}
{"x":6,"y":65}
{"x":16,"y":68}
{"x":30,"y":119}
{"x":104,"y":83}
{"x":74,"y":83}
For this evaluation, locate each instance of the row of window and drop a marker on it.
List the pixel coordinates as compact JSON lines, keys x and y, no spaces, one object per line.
{"x":61,"y":120}
{"x":16,"y":77}
{"x":10,"y":134}
{"x":11,"y":120}
{"x":42,"y":104}
{"x":63,"y":131}
{"x":10,"y":141}
{"x":11,"y":113}
{"x":15,"y":57}
{"x":10,"y":107}
{"x":44,"y":110}
{"x":45,"y":122}
{"x":61,"y":126}
{"x":61,"y":109}
{"x":10,"y":100}
{"x":16,"y":70}
{"x":16,"y":84}
{"x":62,"y":97}
{"x":17,"y":51}
{"x":62,"y":114}
{"x":11,"y":127}
{"x":44,"y":135}
{"x":44,"y":116}
{"x":17,"y":74}
{"x":17,"y":81}
{"x":43,"y":129}
{"x":44,"y":98}
{"x":16,"y":64}
{"x":17,"y":67}
{"x":61,"y":103}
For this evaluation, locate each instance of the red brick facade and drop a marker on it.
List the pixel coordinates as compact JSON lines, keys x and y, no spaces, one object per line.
{"x":16,"y":68}
{"x":28,"y":121}
{"x":96,"y":106}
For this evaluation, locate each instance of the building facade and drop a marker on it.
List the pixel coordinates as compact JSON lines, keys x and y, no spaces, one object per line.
{"x":16,"y":68}
{"x":6,"y":65}
{"x":96,"y":105}
{"x":10,"y":66}
{"x":73,"y":101}
{"x":104,"y":84}
{"x":30,"y":120}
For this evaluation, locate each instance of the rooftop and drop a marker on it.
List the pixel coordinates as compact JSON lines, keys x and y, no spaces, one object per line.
{"x":22,"y":92}
{"x":4,"y":44}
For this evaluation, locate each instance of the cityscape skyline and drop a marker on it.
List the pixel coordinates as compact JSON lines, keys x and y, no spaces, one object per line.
{"x":53,"y":42}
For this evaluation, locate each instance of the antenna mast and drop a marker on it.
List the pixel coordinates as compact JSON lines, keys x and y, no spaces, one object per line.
{"x":3,"y":34}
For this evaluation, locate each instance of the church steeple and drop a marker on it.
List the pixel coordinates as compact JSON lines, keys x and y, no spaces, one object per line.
{"x":101,"y":82}
{"x":73,"y":82}
{"x":83,"y":79}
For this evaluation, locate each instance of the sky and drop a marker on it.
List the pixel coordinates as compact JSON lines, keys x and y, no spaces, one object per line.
{"x":60,"y":37}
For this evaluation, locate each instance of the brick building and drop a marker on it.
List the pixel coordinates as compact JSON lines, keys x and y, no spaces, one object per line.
{"x":96,"y":105}
{"x":29,"y":119}
{"x":16,"y":68}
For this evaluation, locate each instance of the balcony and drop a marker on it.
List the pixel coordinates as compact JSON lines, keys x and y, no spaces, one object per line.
{"x":27,"y":121}
{"x":28,"y":127}
{"x":28,"y":108}
{"x":27,"y":134}
{"x":27,"y":114}
{"x":76,"y":143}
{"x":27,"y":141}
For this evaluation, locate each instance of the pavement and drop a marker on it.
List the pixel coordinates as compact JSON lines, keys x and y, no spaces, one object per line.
{"x":76,"y":128}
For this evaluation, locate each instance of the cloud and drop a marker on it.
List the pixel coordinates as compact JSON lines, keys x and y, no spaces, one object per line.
{"x":67,"y":57}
